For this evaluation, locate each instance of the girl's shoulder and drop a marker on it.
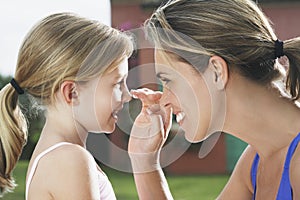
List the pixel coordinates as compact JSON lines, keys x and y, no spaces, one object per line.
{"x":69,"y":167}
{"x":68,"y":155}
{"x":62,"y":161}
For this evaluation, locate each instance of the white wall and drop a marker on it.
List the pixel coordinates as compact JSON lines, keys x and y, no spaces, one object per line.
{"x":18,"y":16}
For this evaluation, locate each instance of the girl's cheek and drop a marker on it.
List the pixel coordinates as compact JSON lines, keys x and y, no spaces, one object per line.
{"x":117,"y":95}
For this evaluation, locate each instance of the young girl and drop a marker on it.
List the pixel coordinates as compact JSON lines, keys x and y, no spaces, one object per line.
{"x":76,"y":69}
{"x":218,"y":60}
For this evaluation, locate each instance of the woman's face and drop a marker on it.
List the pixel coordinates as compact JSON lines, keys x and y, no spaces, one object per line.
{"x":188,"y":93}
{"x":101,"y":99}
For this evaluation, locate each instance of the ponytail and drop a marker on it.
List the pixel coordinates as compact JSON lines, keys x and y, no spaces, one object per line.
{"x":292,"y":51}
{"x":13,"y":136}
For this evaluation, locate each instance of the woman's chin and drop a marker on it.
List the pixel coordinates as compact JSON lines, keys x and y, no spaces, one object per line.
{"x":194,"y":137}
{"x":110,"y":129}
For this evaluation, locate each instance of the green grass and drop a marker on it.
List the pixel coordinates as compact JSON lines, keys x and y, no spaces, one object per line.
{"x":182,"y":187}
{"x":19,"y":174}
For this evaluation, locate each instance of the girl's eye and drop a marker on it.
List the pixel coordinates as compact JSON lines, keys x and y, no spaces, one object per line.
{"x":119,"y":84}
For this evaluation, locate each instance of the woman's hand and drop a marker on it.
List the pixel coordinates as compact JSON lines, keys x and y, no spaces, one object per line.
{"x":150,"y":131}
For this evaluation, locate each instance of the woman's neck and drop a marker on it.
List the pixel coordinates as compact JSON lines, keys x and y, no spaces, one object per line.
{"x":261,"y":117}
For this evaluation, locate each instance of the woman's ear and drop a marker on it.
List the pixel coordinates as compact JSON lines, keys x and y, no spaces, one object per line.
{"x":220,"y":71}
{"x":69,"y":92}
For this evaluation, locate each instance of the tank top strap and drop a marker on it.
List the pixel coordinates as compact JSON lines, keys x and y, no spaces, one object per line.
{"x":285,"y":188}
{"x":291,"y":151}
{"x":253,"y":174}
{"x":36,"y":161}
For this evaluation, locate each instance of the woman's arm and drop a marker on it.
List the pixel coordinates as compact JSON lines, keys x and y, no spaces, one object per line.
{"x":152,"y":185}
{"x":148,"y":134}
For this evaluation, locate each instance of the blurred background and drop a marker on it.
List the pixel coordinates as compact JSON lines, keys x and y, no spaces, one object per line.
{"x":189,"y":176}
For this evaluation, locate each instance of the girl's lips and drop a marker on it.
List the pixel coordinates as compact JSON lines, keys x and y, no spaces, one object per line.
{"x":180,"y":117}
{"x":115,"y":115}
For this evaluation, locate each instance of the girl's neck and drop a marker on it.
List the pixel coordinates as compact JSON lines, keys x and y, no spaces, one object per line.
{"x":61,"y":127}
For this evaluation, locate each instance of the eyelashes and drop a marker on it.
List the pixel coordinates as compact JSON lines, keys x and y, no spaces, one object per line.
{"x":119,"y":85}
{"x":165,"y":81}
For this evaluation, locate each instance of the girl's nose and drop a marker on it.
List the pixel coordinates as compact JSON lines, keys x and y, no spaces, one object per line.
{"x":126,"y":96}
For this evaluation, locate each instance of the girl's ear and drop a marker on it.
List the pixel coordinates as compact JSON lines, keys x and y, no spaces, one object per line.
{"x":220,"y":71}
{"x":69,"y":92}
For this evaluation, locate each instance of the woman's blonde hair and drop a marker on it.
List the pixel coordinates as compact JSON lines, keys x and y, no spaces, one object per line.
{"x":62,"y":46}
{"x":236,"y":30}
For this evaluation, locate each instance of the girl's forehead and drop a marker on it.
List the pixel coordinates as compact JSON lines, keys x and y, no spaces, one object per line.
{"x":123,"y":67}
{"x":120,"y":70}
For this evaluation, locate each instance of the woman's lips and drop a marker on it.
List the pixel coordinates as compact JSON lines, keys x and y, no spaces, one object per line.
{"x":180,"y":117}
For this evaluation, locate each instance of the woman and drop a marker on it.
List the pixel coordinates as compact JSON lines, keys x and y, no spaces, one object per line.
{"x":225,"y":55}
{"x":76,"y":69}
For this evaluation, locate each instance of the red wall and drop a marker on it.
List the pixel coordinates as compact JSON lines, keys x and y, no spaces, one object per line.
{"x":285,"y":19}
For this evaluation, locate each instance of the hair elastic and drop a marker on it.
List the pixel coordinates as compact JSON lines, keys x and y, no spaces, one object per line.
{"x":16,"y":86}
{"x":278,"y":49}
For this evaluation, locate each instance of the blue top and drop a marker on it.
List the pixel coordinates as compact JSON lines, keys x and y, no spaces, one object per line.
{"x":285,"y":191}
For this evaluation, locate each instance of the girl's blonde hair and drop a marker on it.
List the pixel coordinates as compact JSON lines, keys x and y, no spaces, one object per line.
{"x":236,"y":30}
{"x":62,"y":46}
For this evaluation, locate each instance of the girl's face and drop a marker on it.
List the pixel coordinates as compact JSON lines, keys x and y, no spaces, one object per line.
{"x":189,"y":94}
{"x":101,"y":99}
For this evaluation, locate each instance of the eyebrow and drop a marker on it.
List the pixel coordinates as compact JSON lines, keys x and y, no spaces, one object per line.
{"x":159,"y":74}
{"x":117,"y":77}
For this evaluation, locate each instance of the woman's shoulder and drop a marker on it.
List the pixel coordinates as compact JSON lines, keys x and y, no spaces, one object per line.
{"x":248,"y":155}
{"x":244,"y":166}
{"x":246,"y":160}
{"x":240,"y":182}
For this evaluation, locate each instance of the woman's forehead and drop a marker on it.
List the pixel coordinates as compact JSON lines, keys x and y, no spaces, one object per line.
{"x":171,"y":62}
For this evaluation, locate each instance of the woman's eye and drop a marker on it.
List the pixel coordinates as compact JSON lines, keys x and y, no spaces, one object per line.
{"x":165,"y":80}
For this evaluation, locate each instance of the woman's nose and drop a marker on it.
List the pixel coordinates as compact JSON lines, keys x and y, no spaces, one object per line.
{"x":168,"y":98}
